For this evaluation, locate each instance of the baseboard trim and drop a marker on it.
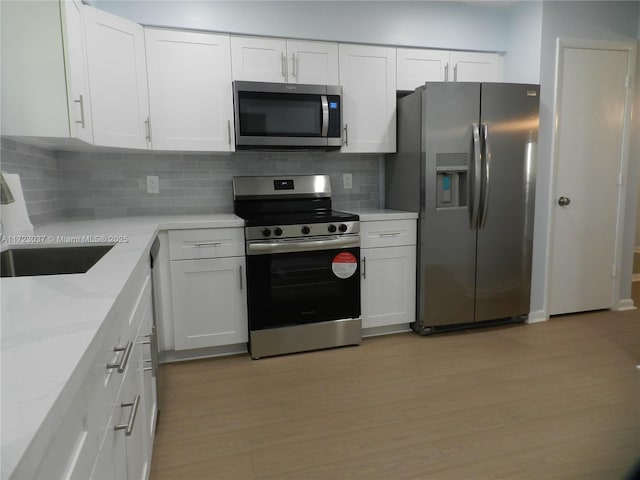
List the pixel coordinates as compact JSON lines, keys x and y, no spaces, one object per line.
{"x":538,"y":316}
{"x":385,"y":330}
{"x":626,"y":304}
{"x":635,"y":277}
{"x":170,"y":356}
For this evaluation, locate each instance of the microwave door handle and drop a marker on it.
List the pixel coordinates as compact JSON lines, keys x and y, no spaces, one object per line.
{"x":325,"y":115}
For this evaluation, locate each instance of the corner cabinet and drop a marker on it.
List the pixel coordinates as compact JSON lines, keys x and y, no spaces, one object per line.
{"x":419,"y":65}
{"x":208,"y":287}
{"x":45,"y":86}
{"x":388,"y":264}
{"x":117,"y":79}
{"x":368,"y":79}
{"x":279,"y":60}
{"x":190,"y":96}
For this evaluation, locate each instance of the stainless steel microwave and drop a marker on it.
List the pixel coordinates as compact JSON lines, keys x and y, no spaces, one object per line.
{"x":284,"y":115}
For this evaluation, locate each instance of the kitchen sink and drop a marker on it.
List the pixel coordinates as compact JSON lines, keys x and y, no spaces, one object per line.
{"x":23,"y":262}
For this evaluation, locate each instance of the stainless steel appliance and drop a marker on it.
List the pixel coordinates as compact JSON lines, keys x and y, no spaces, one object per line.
{"x":303,"y":265}
{"x":156,"y":369}
{"x":284,"y":115}
{"x":466,"y":162}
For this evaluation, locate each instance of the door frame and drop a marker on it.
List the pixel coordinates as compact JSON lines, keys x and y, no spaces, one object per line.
{"x":563,"y":43}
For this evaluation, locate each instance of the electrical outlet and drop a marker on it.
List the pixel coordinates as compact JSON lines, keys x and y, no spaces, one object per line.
{"x":153,"y":184}
{"x":347,"y":180}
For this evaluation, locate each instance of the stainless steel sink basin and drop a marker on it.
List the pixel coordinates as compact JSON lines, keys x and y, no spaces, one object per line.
{"x":22,"y":262}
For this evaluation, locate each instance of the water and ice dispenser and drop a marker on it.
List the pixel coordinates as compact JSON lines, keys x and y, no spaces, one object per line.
{"x":452,"y":179}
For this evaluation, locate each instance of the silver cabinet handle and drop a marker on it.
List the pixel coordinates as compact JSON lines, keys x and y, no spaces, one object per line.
{"x":455,"y":72}
{"x":229,"y":131}
{"x":475,"y":182}
{"x":364,"y":267}
{"x":81,"y":102}
{"x":390,"y":234}
{"x":147,"y":123}
{"x":240,"y":275}
{"x":487,"y":170}
{"x":346,"y":134}
{"x":128,"y":427}
{"x":294,"y":66}
{"x":207,"y":244}
{"x":446,"y":72}
{"x":283,"y":65}
{"x":122,"y":364}
{"x":564,"y":201}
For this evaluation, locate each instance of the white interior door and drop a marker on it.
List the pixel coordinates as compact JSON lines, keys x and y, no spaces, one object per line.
{"x":589,"y":151}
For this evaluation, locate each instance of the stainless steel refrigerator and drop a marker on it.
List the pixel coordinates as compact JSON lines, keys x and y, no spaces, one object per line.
{"x":465,"y":161}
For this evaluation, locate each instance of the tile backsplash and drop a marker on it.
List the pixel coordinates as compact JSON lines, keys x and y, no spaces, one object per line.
{"x":103,"y":185}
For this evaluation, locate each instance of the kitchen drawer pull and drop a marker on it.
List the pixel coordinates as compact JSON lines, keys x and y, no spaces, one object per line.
{"x":294,"y":69}
{"x":390,"y":234}
{"x":207,"y":244}
{"x":128,"y":427}
{"x":122,"y":364}
{"x":455,"y":72}
{"x":364,"y":267}
{"x":283,"y":65}
{"x":229,"y":131}
{"x":346,"y":134}
{"x":148,"y":124}
{"x":446,"y":72}
{"x":240,"y":275}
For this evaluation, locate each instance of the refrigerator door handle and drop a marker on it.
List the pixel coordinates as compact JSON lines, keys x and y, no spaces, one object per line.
{"x":475,"y":177}
{"x":486,"y":174}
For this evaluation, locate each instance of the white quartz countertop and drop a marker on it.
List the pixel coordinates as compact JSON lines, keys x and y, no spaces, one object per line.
{"x":370,"y":215}
{"x":49,"y":324}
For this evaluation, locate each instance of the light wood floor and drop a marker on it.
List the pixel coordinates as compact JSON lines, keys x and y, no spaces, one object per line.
{"x":555,"y":400}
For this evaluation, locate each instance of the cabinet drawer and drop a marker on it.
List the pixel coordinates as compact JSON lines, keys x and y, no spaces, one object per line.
{"x":206,"y":243}
{"x":387,"y":233}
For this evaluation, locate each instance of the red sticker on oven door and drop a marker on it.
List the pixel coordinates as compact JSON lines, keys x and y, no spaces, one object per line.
{"x":344,"y":265}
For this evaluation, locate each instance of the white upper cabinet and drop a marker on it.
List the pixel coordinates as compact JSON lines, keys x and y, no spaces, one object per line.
{"x":368,"y":79}
{"x":418,"y":65}
{"x":44,"y":73}
{"x":260,"y":59}
{"x":313,"y":63}
{"x":118,"y":80}
{"x":190,"y":95}
{"x":476,"y":67}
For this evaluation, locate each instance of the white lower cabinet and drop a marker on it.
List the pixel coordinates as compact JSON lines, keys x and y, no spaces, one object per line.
{"x":388,"y":260}
{"x":208,"y":287}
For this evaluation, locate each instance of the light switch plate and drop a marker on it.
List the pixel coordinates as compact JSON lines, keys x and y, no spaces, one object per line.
{"x":153,"y":184}
{"x":347,"y":179}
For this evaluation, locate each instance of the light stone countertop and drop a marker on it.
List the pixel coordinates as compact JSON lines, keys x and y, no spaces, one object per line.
{"x":51,"y":325}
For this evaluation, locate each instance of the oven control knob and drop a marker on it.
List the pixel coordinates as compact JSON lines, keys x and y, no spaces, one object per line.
{"x":305,"y":230}
{"x":332,"y":228}
{"x":343,"y":227}
{"x":266,"y":232}
{"x":277,"y":231}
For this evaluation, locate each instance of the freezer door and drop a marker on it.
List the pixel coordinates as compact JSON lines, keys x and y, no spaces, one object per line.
{"x":446,"y":274}
{"x":505,"y":232}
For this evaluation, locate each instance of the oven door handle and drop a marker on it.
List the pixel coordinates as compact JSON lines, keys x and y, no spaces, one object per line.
{"x":265,"y":248}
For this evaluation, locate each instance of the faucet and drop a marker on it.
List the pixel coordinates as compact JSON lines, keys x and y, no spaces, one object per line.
{"x":6,"y":197}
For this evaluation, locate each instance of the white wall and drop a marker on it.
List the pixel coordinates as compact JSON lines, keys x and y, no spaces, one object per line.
{"x":524,"y":41}
{"x":449,"y":25}
{"x":597,"y":20}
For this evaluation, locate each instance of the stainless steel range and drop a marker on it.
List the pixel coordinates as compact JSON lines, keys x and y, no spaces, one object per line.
{"x":303,"y":265}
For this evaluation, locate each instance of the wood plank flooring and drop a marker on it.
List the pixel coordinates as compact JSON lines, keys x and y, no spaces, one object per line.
{"x":555,"y":400}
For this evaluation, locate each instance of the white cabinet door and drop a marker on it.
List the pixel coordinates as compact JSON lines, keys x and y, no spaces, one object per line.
{"x":475,"y":67}
{"x":118,"y":80}
{"x":388,"y":286}
{"x":44,"y":76}
{"x":417,"y":66}
{"x":209,"y":307}
{"x":190,"y":95}
{"x":313,"y":63}
{"x":368,"y":79}
{"x":78,"y":99}
{"x":259,"y":59}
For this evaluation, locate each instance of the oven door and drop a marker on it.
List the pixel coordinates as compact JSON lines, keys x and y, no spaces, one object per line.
{"x":303,"y":287}
{"x":286,"y":115}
